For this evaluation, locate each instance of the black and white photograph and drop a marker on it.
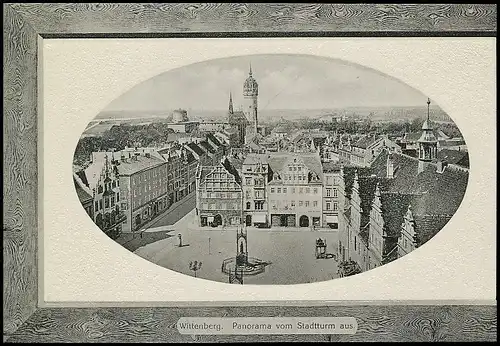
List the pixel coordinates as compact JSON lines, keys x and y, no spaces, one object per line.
{"x":271,"y":169}
{"x":249,"y":172}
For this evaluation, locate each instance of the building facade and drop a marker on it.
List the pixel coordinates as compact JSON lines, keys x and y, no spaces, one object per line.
{"x":295,"y":189}
{"x":143,"y":189}
{"x":218,"y":195}
{"x":331,"y":194}
{"x":255,"y":177}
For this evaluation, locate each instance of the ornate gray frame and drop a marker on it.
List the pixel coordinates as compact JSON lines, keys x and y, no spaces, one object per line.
{"x":26,"y":24}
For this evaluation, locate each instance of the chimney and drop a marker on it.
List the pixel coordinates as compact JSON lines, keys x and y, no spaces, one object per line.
{"x":441,"y":166}
{"x":421,"y":166}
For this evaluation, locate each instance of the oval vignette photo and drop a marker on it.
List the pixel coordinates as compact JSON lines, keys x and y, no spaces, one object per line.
{"x":271,"y":169}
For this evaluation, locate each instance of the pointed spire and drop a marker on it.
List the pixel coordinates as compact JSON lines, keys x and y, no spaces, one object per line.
{"x":230,"y":103}
{"x":428,"y":109}
{"x":250,"y":71}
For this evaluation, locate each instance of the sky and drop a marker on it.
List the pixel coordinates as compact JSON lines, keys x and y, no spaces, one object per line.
{"x":285,"y":82}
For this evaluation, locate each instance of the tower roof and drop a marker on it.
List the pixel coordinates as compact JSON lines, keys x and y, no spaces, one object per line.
{"x":250,"y":87}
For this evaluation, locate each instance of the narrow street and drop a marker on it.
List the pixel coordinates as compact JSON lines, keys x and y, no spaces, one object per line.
{"x":173,"y":214}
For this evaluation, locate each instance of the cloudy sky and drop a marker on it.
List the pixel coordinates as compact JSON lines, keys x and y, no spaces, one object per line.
{"x":285,"y":82}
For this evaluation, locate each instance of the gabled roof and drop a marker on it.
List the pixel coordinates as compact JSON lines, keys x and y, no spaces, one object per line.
{"x":366,"y":141}
{"x":237,"y":117}
{"x":454,"y":156}
{"x":445,"y":190}
{"x":214,"y":139}
{"x":193,"y":146}
{"x":140,"y":163}
{"x":83,"y":195}
{"x":207,"y":147}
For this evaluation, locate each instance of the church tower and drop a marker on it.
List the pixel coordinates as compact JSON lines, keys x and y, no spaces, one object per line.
{"x":250,"y":94}
{"x":230,"y":110}
{"x":427,"y":143}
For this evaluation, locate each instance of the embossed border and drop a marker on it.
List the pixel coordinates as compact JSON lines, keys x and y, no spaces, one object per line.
{"x":25,"y":25}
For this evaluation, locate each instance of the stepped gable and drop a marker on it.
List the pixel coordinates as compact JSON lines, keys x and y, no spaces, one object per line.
{"x":394,"y":208}
{"x":231,"y":169}
{"x":349,"y":173}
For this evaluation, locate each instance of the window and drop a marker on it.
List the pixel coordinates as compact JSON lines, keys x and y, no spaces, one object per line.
{"x":301,"y":203}
{"x":293,"y":203}
{"x":284,"y":190}
{"x":249,"y":205}
{"x":300,"y":177}
{"x":272,"y":189}
{"x":301,"y":190}
{"x":279,"y":189}
{"x":248,"y":181}
{"x":96,"y":206}
{"x":307,"y":203}
{"x":335,"y":206}
{"x":335,"y":193}
{"x":106,"y":202}
{"x":308,"y":190}
{"x":290,"y":168}
{"x":113,"y":200}
{"x":315,"y":203}
{"x":328,"y":205}
{"x":355,"y":242}
{"x":328,"y":192}
{"x":293,"y":190}
{"x":299,"y":168}
{"x":315,"y":190}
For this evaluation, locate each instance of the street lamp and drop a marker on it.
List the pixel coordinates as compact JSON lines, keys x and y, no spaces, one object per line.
{"x":194,"y":266}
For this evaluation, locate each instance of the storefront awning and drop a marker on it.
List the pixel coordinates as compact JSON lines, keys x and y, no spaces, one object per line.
{"x":332,"y":219}
{"x":259,"y":218}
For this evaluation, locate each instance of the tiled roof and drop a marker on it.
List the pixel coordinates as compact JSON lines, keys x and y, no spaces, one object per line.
{"x":365,"y":142}
{"x":427,"y":226}
{"x":454,"y":156}
{"x":195,"y":148}
{"x":349,"y":173}
{"x":451,"y":142}
{"x":83,"y":195}
{"x":214,"y":139}
{"x":237,"y":117}
{"x":367,"y":187}
{"x":207,"y":146}
{"x":445,"y":190}
{"x":81,"y":175}
{"x":132,"y":166}
{"x":331,"y":167}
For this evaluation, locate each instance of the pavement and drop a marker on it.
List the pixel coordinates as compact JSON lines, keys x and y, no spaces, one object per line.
{"x":291,"y":251}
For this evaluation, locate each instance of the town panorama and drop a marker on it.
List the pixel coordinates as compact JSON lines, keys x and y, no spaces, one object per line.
{"x":246,"y":200}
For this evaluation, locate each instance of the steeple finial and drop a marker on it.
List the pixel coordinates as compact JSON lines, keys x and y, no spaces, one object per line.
{"x":428,"y":109}
{"x":250,"y":72}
